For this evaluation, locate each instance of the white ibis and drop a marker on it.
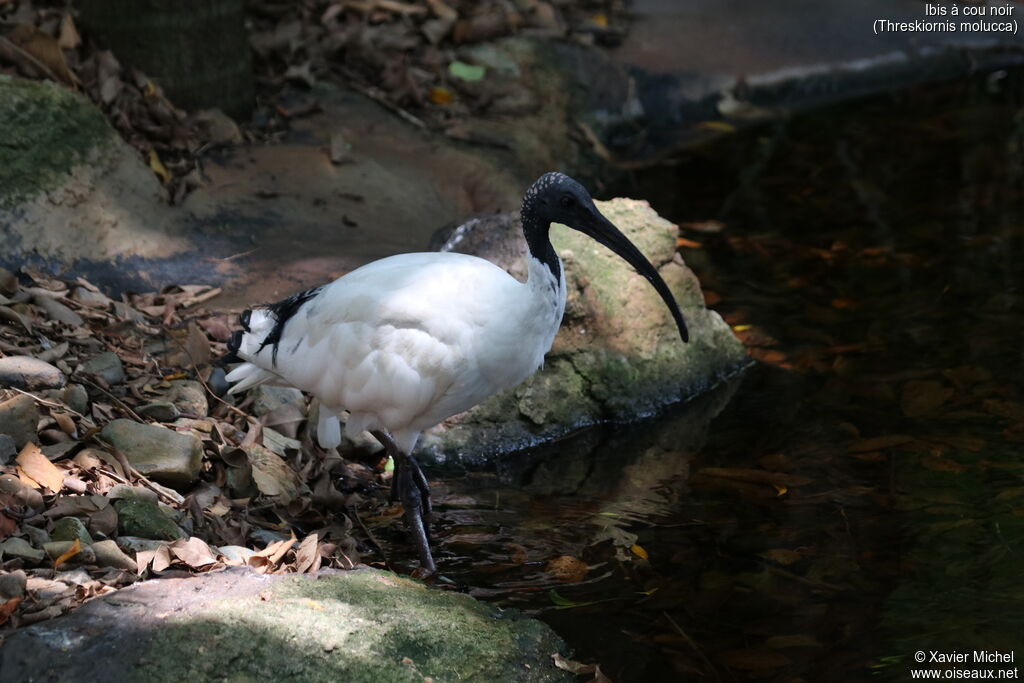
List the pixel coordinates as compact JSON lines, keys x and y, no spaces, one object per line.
{"x":404,"y":342}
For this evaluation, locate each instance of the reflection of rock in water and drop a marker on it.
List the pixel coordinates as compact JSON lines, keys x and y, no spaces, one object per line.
{"x":634,"y":473}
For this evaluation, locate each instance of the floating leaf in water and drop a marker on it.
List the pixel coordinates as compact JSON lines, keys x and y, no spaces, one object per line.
{"x":639,"y":551}
{"x":467,"y":72}
{"x":717,"y":126}
{"x":564,"y":603}
{"x":441,"y":96}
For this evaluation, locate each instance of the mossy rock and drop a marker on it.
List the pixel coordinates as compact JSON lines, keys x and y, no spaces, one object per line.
{"x":45,"y":131}
{"x":145,"y":519}
{"x":357,"y":626}
{"x":618,"y":356}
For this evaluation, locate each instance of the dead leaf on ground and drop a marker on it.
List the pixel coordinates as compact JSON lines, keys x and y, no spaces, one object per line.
{"x":923,"y":397}
{"x":37,"y":471}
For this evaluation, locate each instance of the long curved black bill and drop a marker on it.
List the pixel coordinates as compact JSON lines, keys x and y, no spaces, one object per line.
{"x":607,"y":234}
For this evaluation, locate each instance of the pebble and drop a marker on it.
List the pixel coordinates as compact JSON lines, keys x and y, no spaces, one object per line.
{"x":127,"y":492}
{"x":189,"y":397}
{"x":55,"y":310}
{"x":107,"y":366}
{"x":165,"y":456}
{"x":70,"y":528}
{"x":18,"y":419}
{"x":8,"y":451}
{"x":266,"y":398}
{"x":29,"y":374}
{"x":134,"y":544}
{"x":109,"y":555}
{"x":19,"y":548}
{"x":55,"y":549}
{"x":218,"y":382}
{"x":146,"y":520}
{"x":8,"y":282}
{"x":161,"y":411}
{"x":12,"y":585}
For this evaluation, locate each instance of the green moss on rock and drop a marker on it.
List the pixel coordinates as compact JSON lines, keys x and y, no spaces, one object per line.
{"x":45,"y":131}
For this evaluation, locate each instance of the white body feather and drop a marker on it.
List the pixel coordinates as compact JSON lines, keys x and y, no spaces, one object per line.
{"x":407,"y":341}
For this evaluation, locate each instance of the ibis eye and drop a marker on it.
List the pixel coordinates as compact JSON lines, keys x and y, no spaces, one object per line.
{"x":568,"y":202}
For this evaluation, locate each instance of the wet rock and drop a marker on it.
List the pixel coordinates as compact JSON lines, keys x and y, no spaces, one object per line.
{"x":617,"y":356}
{"x":29,"y":374}
{"x":19,"y":548}
{"x":159,"y":453}
{"x":8,"y":451}
{"x":189,"y":397}
{"x":266,"y":398}
{"x":18,"y":419}
{"x":145,"y":520}
{"x":361,"y":625}
{"x":107,"y":366}
{"x":12,"y":585}
{"x":70,"y":528}
{"x":109,"y":555}
{"x":161,"y":411}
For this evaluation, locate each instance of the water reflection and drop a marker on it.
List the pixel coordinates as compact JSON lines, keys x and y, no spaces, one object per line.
{"x":861,"y":497}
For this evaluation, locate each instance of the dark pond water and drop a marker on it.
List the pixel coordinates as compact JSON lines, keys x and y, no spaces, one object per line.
{"x":859,"y":496}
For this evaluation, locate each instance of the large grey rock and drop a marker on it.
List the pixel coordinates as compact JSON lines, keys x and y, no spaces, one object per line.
{"x":19,"y":417}
{"x":618,"y":355}
{"x":361,"y":626}
{"x":30,"y":374}
{"x":163,"y":455}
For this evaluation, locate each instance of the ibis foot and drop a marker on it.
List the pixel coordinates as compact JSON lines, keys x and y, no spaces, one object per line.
{"x":409,"y":486}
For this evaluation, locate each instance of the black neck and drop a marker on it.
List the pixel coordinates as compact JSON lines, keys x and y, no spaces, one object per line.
{"x":535,"y":229}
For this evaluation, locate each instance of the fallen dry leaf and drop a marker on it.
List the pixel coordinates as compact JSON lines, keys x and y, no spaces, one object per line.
{"x":39,"y":471}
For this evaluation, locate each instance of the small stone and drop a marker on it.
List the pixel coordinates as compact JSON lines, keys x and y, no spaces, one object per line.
{"x":218,"y":382}
{"x":109,"y":555}
{"x":89,"y":298}
{"x":55,"y":549}
{"x":266,"y":398}
{"x":107,"y":366}
{"x":163,"y":455}
{"x":127,"y":492}
{"x":76,"y":398}
{"x":19,"y":548}
{"x":37,"y":536}
{"x":29,"y":374}
{"x":70,"y":528}
{"x":8,"y":282}
{"x":146,"y":520}
{"x":265,"y":537}
{"x":18,"y":419}
{"x":189,"y":397}
{"x":12,"y":584}
{"x":236,"y":553}
{"x":134,"y":544}
{"x":8,"y":451}
{"x":217,"y":127}
{"x":10,"y":484}
{"x":161,"y":411}
{"x":55,"y":310}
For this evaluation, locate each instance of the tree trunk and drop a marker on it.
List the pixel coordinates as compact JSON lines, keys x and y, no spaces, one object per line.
{"x":196,"y":50}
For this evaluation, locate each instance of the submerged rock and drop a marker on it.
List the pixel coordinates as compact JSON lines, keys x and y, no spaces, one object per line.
{"x":30,"y":374}
{"x":618,"y":355}
{"x":163,"y":455}
{"x":357,"y":626}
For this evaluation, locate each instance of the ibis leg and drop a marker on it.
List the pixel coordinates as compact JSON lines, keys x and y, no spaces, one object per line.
{"x":409,"y":486}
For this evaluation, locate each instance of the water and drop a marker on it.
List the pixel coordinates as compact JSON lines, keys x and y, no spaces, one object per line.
{"x":860,"y":495}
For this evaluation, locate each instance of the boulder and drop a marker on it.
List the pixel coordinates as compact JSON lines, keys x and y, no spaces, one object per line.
{"x":19,"y":417}
{"x":163,"y":455}
{"x":358,"y":626}
{"x":617,"y":357}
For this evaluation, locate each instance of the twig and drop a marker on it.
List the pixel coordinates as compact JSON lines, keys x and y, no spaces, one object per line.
{"x":150,"y":485}
{"x":692,"y":644}
{"x":30,"y":59}
{"x":120,"y":404}
{"x":49,"y":404}
{"x":373,"y":539}
{"x":377,"y":96}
